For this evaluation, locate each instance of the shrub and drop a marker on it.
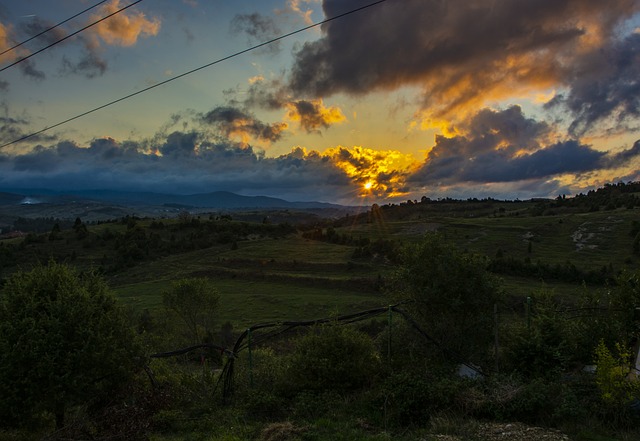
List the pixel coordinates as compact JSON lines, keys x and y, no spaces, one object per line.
{"x":63,"y":342}
{"x":333,"y":357}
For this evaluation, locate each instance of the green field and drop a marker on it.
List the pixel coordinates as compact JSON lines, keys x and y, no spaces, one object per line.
{"x":264,"y":275}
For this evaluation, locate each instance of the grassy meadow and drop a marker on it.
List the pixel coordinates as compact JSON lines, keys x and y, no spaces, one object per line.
{"x":266,"y":276}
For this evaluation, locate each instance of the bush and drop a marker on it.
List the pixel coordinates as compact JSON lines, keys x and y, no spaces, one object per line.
{"x":333,"y":357}
{"x":63,"y":342}
{"x":411,"y":399}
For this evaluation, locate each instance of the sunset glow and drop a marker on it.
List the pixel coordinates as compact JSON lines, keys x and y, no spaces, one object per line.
{"x":425,"y":105}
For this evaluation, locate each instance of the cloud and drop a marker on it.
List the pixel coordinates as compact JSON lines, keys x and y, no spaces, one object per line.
{"x":180,"y":162}
{"x":313,"y":114}
{"x":5,"y":43}
{"x":14,"y":127}
{"x":90,"y":66}
{"x":231,"y":121}
{"x":28,"y":69}
{"x":265,"y":94}
{"x":461,"y":54}
{"x":37,"y":25}
{"x":295,"y":7}
{"x":605,"y":85}
{"x":504,"y":146}
{"x":380,"y":173}
{"x":258,"y":28}
{"x":124,"y":28}
{"x":498,"y":153}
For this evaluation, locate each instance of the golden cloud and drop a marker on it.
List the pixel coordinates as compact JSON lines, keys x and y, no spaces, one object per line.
{"x":4,"y":41}
{"x":313,"y":114}
{"x":125,"y":28}
{"x":375,"y":172}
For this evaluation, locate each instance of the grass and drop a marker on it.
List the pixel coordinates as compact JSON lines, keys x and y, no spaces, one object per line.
{"x":245,"y":303}
{"x":265,"y":279}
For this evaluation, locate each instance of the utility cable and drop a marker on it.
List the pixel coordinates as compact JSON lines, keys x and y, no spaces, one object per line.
{"x":51,"y":28}
{"x":220,"y":60}
{"x":69,"y":36}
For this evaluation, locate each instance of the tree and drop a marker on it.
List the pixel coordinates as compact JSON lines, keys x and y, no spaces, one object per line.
{"x":63,"y":342}
{"x":451,"y":295}
{"x":195,"y":302}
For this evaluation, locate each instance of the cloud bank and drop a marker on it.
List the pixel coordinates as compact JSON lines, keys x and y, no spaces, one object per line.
{"x":497,"y":152}
{"x":466,"y":54}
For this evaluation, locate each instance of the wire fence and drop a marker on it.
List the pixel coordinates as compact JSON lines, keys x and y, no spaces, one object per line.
{"x":261,"y":333}
{"x":258,"y":334}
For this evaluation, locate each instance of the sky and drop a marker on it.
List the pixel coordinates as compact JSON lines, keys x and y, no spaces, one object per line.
{"x":398,"y":100}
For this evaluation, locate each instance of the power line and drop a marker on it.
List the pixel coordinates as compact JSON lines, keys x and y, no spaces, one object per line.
{"x":69,"y":36}
{"x":220,"y":60}
{"x":51,"y":28}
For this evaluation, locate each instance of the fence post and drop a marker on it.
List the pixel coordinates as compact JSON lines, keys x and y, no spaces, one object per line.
{"x":497,"y":342}
{"x":250,"y":357}
{"x":528,"y":313}
{"x":389,"y":336}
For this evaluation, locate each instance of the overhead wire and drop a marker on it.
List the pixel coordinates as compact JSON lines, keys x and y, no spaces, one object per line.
{"x":70,"y":35}
{"x":51,"y":28}
{"x":184,"y":74}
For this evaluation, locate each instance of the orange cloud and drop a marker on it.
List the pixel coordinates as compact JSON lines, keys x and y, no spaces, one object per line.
{"x":126,"y":27}
{"x":313,"y":114}
{"x":4,"y":40}
{"x":376,"y":172}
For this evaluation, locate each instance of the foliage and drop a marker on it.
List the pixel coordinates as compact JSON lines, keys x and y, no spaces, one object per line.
{"x":263,"y":386}
{"x":452,"y":295}
{"x":616,"y":390}
{"x":333,"y":358}
{"x":63,"y":341}
{"x":411,"y":398}
{"x":610,"y":314}
{"x":543,"y":345}
{"x":195,"y":302}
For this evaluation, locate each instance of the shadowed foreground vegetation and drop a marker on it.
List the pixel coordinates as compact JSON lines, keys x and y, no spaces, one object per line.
{"x":524,"y":294}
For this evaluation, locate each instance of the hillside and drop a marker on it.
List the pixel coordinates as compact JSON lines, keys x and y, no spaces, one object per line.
{"x":272,"y":273}
{"x":565,"y":244}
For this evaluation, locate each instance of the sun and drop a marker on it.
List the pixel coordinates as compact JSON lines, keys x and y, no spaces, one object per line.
{"x":368,"y":185}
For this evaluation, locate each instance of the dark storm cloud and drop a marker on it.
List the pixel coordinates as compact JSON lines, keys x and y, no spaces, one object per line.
{"x":258,"y":28}
{"x":183,"y":162}
{"x":233,"y":121}
{"x":605,"y":83}
{"x":504,"y":146}
{"x":460,"y":52}
{"x":507,"y":126}
{"x":180,"y":144}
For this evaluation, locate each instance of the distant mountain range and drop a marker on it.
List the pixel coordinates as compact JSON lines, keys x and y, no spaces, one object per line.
{"x":215,"y":200}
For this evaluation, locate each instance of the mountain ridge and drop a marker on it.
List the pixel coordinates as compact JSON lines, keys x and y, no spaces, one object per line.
{"x":215,"y":199}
